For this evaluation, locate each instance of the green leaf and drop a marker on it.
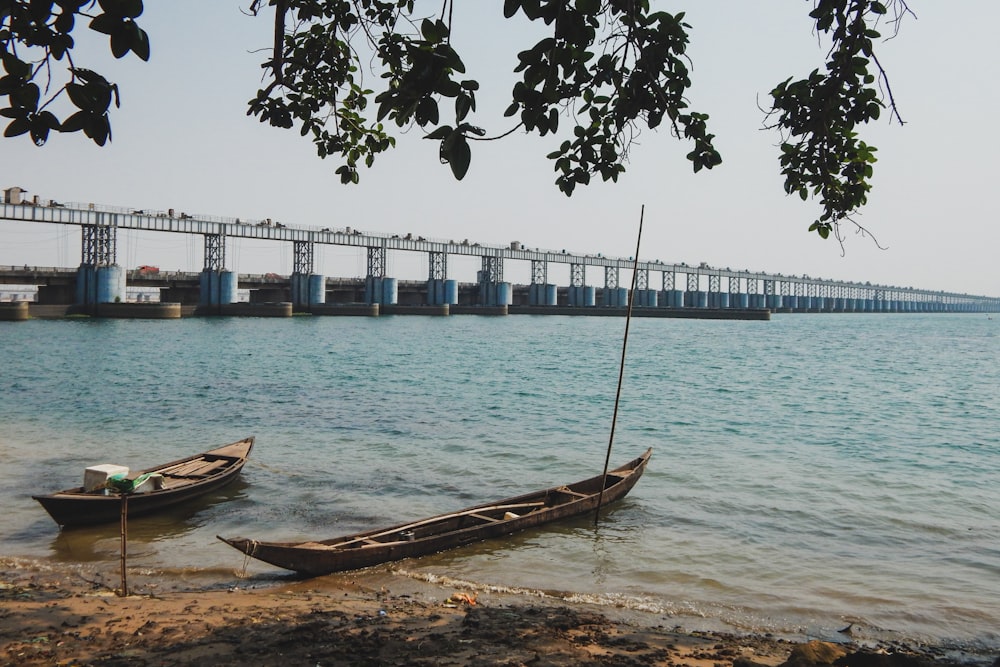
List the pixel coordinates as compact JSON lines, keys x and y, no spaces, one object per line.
{"x":428,"y":29}
{"x":140,"y":43}
{"x":104,"y":24}
{"x":26,"y":96}
{"x":427,"y":111}
{"x":462,"y":106}
{"x":98,"y":128}
{"x":121,"y":41}
{"x":440,"y":133}
{"x":130,"y":8}
{"x":39,"y":134}
{"x":9,"y":84}
{"x":48,"y":119}
{"x":17,"y":127}
{"x":460,"y":157}
{"x":64,"y":22}
{"x":16,"y":68}
{"x":74,"y":123}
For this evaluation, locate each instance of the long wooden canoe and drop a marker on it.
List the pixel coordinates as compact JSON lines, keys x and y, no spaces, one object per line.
{"x":447,"y":531}
{"x":178,"y":481}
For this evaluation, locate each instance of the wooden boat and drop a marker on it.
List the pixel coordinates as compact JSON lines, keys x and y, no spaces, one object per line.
{"x":447,"y":531}
{"x":175,"y":482}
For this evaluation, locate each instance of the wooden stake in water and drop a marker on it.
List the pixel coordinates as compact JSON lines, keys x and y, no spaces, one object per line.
{"x":621,"y":368}
{"x":124,"y":498}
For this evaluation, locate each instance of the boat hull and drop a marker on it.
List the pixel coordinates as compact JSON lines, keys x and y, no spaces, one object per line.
{"x":473,"y":524}
{"x":76,"y":507}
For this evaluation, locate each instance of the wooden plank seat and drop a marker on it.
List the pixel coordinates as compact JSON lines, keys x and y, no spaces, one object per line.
{"x":199,"y":468}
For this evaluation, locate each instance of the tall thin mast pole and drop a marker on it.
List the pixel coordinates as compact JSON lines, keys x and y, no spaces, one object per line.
{"x":621,"y":368}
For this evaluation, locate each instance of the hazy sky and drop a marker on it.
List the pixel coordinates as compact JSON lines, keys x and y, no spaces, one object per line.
{"x":182,"y":139}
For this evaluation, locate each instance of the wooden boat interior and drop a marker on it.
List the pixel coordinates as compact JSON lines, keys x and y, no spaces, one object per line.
{"x":182,"y":473}
{"x":468,"y":518}
{"x":198,"y":468}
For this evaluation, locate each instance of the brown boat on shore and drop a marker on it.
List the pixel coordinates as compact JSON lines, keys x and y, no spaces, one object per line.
{"x":166,"y":485}
{"x":447,"y":531}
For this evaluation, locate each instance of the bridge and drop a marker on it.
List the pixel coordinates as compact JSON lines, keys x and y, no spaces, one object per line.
{"x":99,"y":279}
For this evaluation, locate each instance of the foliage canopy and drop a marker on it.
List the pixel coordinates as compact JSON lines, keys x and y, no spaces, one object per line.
{"x":608,"y":68}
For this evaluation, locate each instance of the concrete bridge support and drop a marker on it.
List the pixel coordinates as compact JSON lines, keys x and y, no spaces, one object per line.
{"x":615,"y":296}
{"x":440,"y":290}
{"x":99,"y":284}
{"x":216,"y":288}
{"x":378,"y":288}
{"x":582,"y":296}
{"x":493,"y":291}
{"x":541,"y":292}
{"x":99,"y":279}
{"x":308,"y":289}
{"x":645,"y":298}
{"x":384,"y":291}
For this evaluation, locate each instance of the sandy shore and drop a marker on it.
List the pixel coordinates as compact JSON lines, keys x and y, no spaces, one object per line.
{"x":67,"y":617}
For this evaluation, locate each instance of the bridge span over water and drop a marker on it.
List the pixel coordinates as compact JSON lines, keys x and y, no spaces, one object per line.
{"x":99,"y":278}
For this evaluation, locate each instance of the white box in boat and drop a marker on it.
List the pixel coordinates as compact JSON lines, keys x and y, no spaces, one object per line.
{"x":151,"y":483}
{"x":95,"y":477}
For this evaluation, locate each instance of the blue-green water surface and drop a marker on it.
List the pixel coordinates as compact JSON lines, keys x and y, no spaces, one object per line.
{"x":808,"y":472}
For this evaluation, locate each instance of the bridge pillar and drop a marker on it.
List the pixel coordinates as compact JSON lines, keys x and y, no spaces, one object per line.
{"x":646,"y":298}
{"x":99,"y":279}
{"x":643,"y":296}
{"x":307,"y":288}
{"x":543,"y":294}
{"x":440,"y":290}
{"x":493,"y":291}
{"x":578,"y":293}
{"x":217,"y":286}
{"x":673,"y":298}
{"x":615,"y":296}
{"x":381,"y":290}
{"x":378,"y":288}
{"x":582,"y":295}
{"x":99,"y":284}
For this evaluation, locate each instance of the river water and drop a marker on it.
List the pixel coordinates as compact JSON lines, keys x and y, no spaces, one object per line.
{"x":808,"y":472}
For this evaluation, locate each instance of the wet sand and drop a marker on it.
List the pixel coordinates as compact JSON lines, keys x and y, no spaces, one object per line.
{"x":66,"y":616}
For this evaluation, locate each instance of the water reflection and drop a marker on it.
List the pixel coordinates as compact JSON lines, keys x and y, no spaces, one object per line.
{"x":614,"y":526}
{"x":97,"y":543}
